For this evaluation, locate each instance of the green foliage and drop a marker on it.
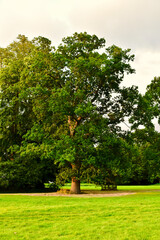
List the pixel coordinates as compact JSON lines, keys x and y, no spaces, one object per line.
{"x":148,"y":106}
{"x":145,"y":157}
{"x":145,"y":138}
{"x":24,"y":165}
{"x":18,"y":176}
{"x":58,"y":103}
{"x":112,"y":163}
{"x":25,"y":174}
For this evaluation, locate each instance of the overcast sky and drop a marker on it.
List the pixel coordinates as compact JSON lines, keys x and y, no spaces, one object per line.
{"x":127,"y":23}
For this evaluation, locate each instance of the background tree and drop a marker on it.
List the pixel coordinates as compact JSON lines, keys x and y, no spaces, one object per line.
{"x":145,"y":157}
{"x":30,"y":170}
{"x":144,"y":118}
{"x":14,"y":113}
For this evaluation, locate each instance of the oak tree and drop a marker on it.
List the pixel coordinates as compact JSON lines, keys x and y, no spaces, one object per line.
{"x":73,"y":95}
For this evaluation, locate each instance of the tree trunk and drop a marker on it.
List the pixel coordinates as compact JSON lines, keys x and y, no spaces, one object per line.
{"x":75,"y":186}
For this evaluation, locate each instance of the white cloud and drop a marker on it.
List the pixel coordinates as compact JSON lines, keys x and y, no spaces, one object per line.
{"x":147,"y":64}
{"x":130,"y":23}
{"x":32,"y":18}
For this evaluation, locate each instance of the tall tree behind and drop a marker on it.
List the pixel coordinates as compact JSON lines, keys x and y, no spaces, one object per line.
{"x":13,"y":113}
{"x":17,"y":118}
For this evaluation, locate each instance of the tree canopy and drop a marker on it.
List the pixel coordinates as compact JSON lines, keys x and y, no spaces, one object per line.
{"x":65,"y":103}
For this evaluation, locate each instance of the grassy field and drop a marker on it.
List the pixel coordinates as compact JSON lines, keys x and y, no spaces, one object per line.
{"x":40,"y":217}
{"x":86,"y":186}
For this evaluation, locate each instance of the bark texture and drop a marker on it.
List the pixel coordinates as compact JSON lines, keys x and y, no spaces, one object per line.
{"x":75,"y":186}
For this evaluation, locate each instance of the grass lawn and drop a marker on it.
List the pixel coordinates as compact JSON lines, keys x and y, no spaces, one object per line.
{"x":86,"y":186}
{"x":42,"y":217}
